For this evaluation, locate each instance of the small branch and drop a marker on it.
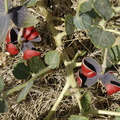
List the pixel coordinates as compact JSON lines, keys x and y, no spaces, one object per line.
{"x":54,"y":108}
{"x":113,"y":31}
{"x":104,"y":65}
{"x":116,"y":9}
{"x":77,"y":64}
{"x":20,"y":35}
{"x":6,"y":6}
{"x":17,"y":88}
{"x":105,"y":112}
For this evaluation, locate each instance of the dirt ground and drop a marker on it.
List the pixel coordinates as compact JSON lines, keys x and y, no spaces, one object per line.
{"x":47,"y":88}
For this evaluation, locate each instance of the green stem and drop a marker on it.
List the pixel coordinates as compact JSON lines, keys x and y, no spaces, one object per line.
{"x":6,"y":6}
{"x":116,"y":9}
{"x":113,"y":31}
{"x":104,"y":65}
{"x":53,"y":109}
{"x":19,"y":35}
{"x":102,"y":23}
{"x":17,"y":88}
{"x":105,"y":112}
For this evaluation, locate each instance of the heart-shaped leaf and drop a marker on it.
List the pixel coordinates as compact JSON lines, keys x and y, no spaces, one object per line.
{"x":101,"y":38}
{"x":21,"y":71}
{"x":1,"y":83}
{"x":83,"y":21}
{"x":52,"y":58}
{"x":84,"y":81}
{"x":22,"y":17}
{"x":69,"y":26}
{"x":86,"y":6}
{"x":85,"y":101}
{"x":36,"y":64}
{"x":3,"y":106}
{"x":30,"y":3}
{"x":114,"y":54}
{"x":2,"y":8}
{"x":4,"y":24}
{"x":25,"y":91}
{"x":103,"y":7}
{"x":77,"y":117}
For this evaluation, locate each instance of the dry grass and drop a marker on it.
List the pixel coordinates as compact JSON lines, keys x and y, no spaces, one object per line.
{"x":46,"y":89}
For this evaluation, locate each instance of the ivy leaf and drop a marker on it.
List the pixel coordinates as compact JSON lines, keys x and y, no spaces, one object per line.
{"x":117,"y":117}
{"x":83,"y":21}
{"x":103,"y":7}
{"x":114,"y":54}
{"x":36,"y":64}
{"x":4,"y":24}
{"x":69,"y":25}
{"x":101,"y":38}
{"x":52,"y":58}
{"x":30,"y":3}
{"x":21,"y":71}
{"x":3,"y":106}
{"x":77,"y":117}
{"x":22,"y":17}
{"x":85,"y":101}
{"x":1,"y":83}
{"x":86,"y":6}
{"x":25,"y":91}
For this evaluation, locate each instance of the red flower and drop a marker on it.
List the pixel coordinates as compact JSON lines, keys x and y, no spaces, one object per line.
{"x":30,"y":33}
{"x":12,"y":49}
{"x":112,"y":89}
{"x":28,"y":54}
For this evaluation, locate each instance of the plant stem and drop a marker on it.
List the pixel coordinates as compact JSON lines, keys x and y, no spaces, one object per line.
{"x":117,"y":9}
{"x":19,"y":35}
{"x":113,"y":31}
{"x":6,"y":6}
{"x":104,"y":65}
{"x":53,"y":109}
{"x":105,"y":112}
{"x":17,"y":88}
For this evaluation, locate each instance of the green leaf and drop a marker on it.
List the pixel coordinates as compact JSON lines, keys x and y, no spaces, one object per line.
{"x":52,"y":58}
{"x":101,"y":38}
{"x":21,"y":71}
{"x":4,"y":24}
{"x":36,"y":64}
{"x":114,"y":54}
{"x":30,"y":3}
{"x":22,"y":17}
{"x":103,"y":7}
{"x":86,"y":6}
{"x":117,"y":117}
{"x":3,"y":106}
{"x":69,"y":25}
{"x":25,"y":91}
{"x":77,"y":117}
{"x":1,"y":83}
{"x":83,"y":21}
{"x":85,"y":101}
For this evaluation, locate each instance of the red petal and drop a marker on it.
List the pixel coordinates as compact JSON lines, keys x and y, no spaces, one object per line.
{"x":86,"y":71}
{"x":30,"y":33}
{"x":79,"y":81}
{"x":12,"y":49}
{"x":30,"y":53}
{"x":8,"y":39}
{"x":111,"y":89}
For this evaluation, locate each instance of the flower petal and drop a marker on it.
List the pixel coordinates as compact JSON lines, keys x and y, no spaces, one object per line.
{"x":28,"y":54}
{"x":12,"y":49}
{"x":84,"y":81}
{"x":90,"y":67}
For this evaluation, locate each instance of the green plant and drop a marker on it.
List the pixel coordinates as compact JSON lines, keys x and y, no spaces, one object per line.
{"x":91,"y":16}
